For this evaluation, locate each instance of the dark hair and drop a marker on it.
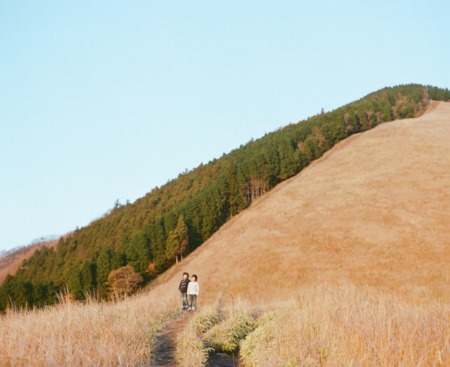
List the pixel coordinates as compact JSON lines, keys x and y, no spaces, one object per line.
{"x":186,"y":274}
{"x":194,"y":276}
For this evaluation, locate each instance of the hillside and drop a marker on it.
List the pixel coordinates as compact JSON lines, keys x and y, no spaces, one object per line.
{"x":11,"y":261}
{"x":345,"y":263}
{"x":374,"y":210}
{"x":173,"y":220}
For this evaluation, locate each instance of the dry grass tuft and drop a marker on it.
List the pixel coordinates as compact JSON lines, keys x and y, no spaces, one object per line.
{"x":226,"y":336}
{"x":204,"y":320}
{"x":349,"y":325}
{"x":208,"y":331}
{"x":94,"y":334}
{"x":191,"y":351}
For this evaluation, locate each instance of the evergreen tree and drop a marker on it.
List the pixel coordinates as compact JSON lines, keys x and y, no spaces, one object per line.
{"x":177,"y":241}
{"x":75,"y":285}
{"x":138,"y":252}
{"x":88,"y":276}
{"x":104,"y":266}
{"x":22,"y":294}
{"x":3,"y":298}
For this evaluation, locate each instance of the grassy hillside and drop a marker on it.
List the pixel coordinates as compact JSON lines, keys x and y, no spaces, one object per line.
{"x":344,"y":264}
{"x":374,"y":210}
{"x":173,"y":220}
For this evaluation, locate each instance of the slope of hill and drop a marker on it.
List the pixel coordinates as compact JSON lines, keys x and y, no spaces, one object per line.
{"x":146,"y":234}
{"x":371,"y":212}
{"x":374,"y":210}
{"x":11,"y":261}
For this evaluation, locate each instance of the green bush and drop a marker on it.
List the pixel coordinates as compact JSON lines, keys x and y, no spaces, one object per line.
{"x":258,"y":345}
{"x":226,"y":336}
{"x":191,"y":352}
{"x":205,"y":320}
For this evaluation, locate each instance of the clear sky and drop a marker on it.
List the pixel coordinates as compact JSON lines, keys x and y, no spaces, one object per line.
{"x":104,"y":100}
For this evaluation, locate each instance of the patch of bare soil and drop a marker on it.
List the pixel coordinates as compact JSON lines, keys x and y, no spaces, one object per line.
{"x":164,"y":352}
{"x":223,"y":360}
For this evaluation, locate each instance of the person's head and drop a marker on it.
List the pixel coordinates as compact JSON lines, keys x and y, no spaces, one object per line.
{"x":185,"y":275}
{"x":194,"y":277}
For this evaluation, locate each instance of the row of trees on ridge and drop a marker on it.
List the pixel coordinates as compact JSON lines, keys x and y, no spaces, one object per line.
{"x":169,"y":222}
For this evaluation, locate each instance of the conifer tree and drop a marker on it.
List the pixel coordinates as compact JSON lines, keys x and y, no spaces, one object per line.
{"x":177,"y":241}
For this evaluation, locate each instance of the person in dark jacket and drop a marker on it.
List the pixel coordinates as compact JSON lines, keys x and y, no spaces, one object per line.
{"x":183,"y":290}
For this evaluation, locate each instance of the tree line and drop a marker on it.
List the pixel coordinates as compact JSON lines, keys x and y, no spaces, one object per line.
{"x":169,"y":222}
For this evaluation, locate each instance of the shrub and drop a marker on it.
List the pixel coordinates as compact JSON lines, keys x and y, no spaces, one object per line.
{"x":123,"y":281}
{"x":191,"y":351}
{"x":257,"y":347}
{"x":205,"y":320}
{"x":190,"y":348}
{"x":225,"y":337}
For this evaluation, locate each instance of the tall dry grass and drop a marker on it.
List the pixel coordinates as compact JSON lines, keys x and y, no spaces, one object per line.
{"x":213,"y":330}
{"x":93,"y":334}
{"x":346,"y":325}
{"x":324,"y":325}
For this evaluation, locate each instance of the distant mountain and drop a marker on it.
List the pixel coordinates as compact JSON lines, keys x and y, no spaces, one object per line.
{"x":173,"y":220}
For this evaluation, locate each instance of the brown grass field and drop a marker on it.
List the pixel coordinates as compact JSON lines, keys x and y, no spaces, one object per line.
{"x":374,"y":210}
{"x":351,"y":257}
{"x":348,"y":325}
{"x":93,"y":334}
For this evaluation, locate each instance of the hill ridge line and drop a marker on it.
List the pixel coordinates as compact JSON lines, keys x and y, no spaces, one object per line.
{"x":390,"y":220}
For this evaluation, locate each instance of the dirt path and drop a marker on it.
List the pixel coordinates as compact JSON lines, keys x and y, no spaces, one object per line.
{"x":223,"y":360}
{"x":164,"y":353}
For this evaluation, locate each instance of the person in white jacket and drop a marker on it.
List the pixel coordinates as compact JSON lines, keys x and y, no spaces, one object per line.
{"x":192,"y":292}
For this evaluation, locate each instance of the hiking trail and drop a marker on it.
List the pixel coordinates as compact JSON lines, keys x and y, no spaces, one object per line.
{"x":164,"y":352}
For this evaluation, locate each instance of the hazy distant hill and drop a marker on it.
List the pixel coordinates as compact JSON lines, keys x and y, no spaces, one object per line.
{"x":11,"y":260}
{"x":148,"y":233}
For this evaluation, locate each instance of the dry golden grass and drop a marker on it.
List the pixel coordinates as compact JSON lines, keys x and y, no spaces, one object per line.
{"x":93,"y":334}
{"x":191,"y":351}
{"x":375,"y":210}
{"x":214,"y":330}
{"x":368,"y":222}
{"x":371,"y":214}
{"x":347,"y":325}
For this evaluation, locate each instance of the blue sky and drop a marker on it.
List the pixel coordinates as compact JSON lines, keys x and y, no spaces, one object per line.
{"x":104,"y":100}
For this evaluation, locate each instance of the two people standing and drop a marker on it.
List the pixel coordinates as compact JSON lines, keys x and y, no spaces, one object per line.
{"x":189,"y":290}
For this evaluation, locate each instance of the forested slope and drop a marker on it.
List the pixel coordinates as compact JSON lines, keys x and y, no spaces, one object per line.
{"x":172,"y":220}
